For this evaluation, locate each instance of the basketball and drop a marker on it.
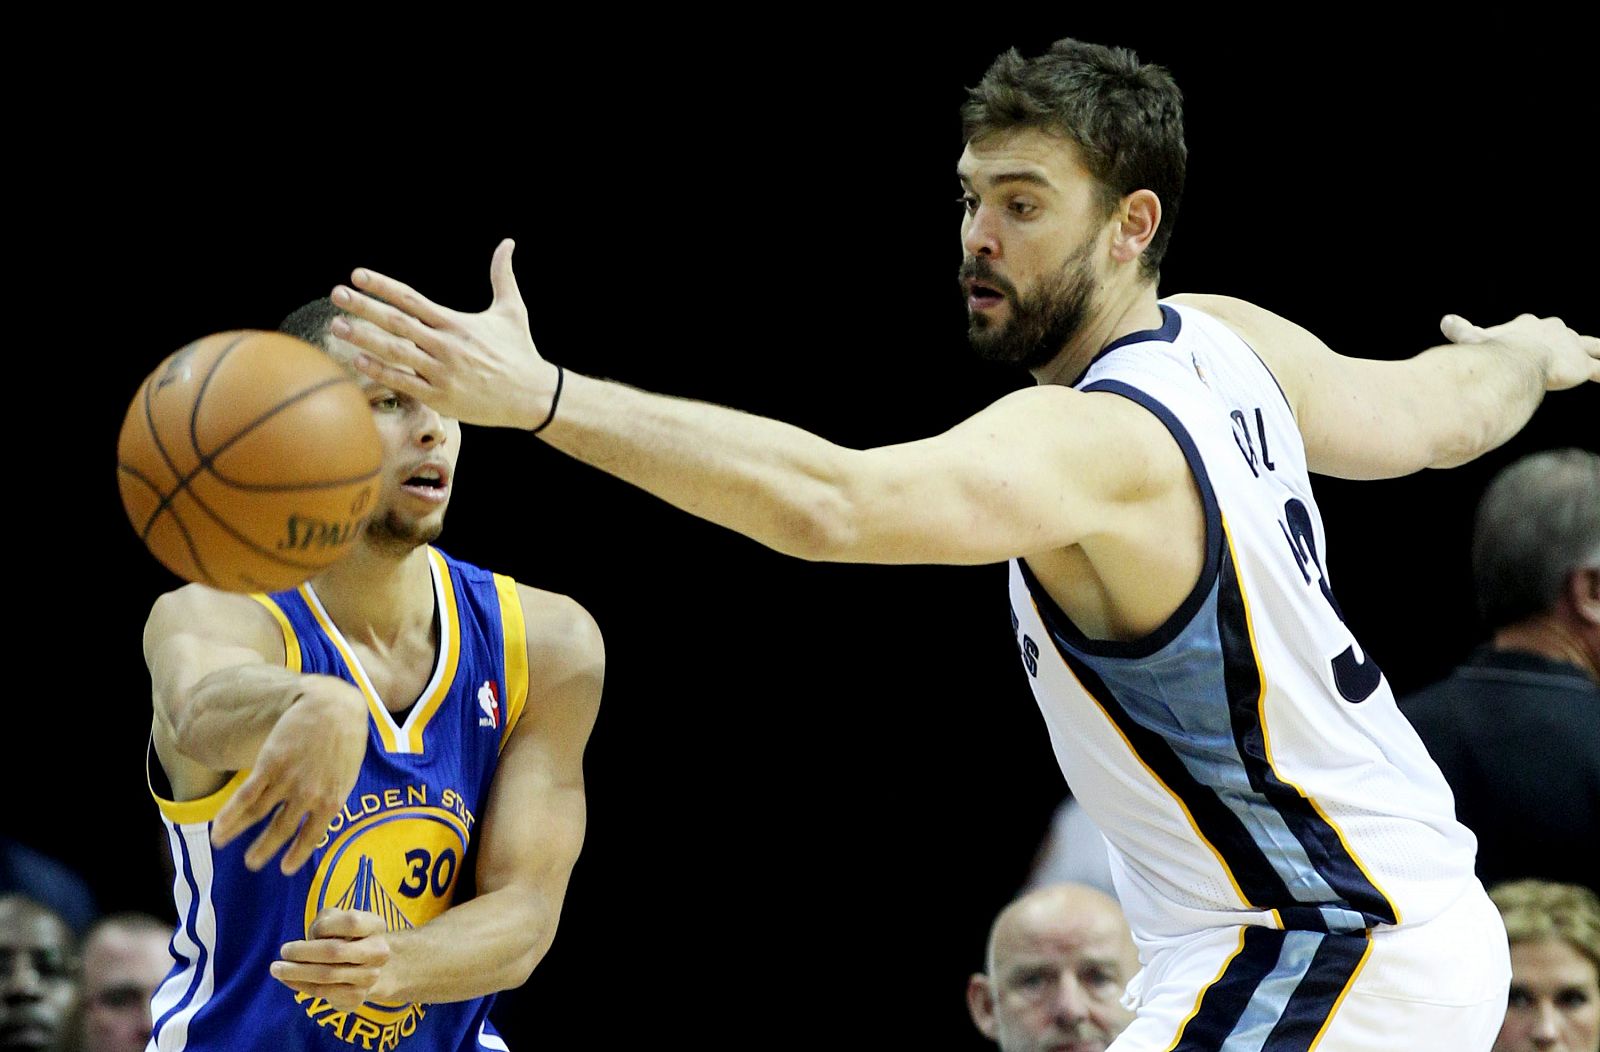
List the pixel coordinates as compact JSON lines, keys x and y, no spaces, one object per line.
{"x":248,"y":461}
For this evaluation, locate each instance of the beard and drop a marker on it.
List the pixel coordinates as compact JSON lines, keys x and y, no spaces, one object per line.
{"x":389,"y":534}
{"x":1043,"y":321}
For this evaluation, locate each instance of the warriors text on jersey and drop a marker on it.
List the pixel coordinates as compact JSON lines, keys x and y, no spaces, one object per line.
{"x":402,"y":847}
{"x":1246,"y":761}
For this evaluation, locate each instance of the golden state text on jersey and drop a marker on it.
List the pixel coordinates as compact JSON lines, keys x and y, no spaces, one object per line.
{"x":402,"y":847}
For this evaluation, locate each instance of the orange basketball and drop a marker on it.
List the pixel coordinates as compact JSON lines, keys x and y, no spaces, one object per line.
{"x":248,"y":461}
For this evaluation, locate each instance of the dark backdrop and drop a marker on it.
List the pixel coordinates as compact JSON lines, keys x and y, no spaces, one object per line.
{"x":810,"y":786}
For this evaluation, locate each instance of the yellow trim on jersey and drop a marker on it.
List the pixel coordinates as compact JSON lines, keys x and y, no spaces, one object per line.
{"x":451,"y":631}
{"x":1266,"y":736}
{"x":193,"y":812}
{"x":514,"y":634}
{"x":1348,"y":986}
{"x":291,"y":642}
{"x":1199,"y":997}
{"x":1226,"y":870}
{"x":380,"y":716}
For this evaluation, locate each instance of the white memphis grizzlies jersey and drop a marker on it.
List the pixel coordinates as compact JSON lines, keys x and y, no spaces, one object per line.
{"x":403,"y":847}
{"x":1246,"y":762}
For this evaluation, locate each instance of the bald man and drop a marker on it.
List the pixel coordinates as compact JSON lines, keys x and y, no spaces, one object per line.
{"x":1058,"y":961}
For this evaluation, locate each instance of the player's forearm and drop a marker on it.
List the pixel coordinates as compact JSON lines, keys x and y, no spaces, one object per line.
{"x":771,"y":481}
{"x":1482,"y":394}
{"x":474,"y":949}
{"x":229,"y":713}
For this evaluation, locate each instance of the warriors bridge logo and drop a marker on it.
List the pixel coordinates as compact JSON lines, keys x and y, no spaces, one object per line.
{"x":397,"y":856}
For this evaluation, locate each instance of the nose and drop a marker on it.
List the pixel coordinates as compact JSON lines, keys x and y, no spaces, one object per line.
{"x":1546,"y":1025}
{"x":979,"y":236}
{"x":428,"y":428}
{"x":20,"y":981}
{"x":1072,"y":1005}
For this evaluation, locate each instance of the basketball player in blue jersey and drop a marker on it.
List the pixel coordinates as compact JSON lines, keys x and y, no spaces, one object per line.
{"x":1283,"y":847}
{"x":404,"y":735}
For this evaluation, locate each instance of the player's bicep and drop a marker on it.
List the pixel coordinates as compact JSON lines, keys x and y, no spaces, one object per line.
{"x":1039,"y":470}
{"x":1359,"y":418}
{"x":534,"y":823}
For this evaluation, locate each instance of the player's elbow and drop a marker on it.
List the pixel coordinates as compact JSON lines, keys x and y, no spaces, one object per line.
{"x":821,"y":525}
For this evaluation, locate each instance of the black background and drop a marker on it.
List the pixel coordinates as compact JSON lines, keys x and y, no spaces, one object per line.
{"x":810,"y":787}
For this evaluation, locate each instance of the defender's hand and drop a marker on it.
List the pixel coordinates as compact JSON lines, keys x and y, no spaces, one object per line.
{"x":479,"y":368}
{"x":341,"y":960}
{"x":1569,"y":358}
{"x":305,"y":770}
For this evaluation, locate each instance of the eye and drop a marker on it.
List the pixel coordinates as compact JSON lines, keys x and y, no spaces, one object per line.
{"x":1571,"y":998}
{"x":1519,"y":999}
{"x":387,"y":403}
{"x":969,"y":203}
{"x":1023,"y":208}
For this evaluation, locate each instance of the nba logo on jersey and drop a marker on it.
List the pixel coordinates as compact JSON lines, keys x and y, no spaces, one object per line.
{"x":489,"y":702}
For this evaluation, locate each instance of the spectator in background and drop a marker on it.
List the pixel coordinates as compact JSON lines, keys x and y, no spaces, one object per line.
{"x":1073,"y":851}
{"x":1058,"y":960}
{"x":1555,"y":967}
{"x":1516,"y":729}
{"x":38,"y":973}
{"x":125,"y":957}
{"x":45,"y":880}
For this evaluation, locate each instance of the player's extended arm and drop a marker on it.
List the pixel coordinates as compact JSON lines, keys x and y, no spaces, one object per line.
{"x":529,"y":837}
{"x":1363,"y":419}
{"x":1038,"y":470}
{"x":224,"y":702}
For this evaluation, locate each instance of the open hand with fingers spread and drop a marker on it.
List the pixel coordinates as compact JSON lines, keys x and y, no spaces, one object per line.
{"x":1569,"y":358}
{"x":341,"y":960}
{"x":304,"y":771}
{"x":479,"y":368}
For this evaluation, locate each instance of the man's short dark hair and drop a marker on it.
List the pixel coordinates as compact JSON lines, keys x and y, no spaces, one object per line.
{"x":1537,"y":522}
{"x":1124,"y":116}
{"x":310,"y":322}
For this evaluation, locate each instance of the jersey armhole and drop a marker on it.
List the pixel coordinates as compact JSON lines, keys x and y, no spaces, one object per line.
{"x":514,"y":636}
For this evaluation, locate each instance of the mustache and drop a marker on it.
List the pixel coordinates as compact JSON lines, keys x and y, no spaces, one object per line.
{"x":976,"y":268}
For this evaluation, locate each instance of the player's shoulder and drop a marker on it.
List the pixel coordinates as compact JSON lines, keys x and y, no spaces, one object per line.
{"x":561,"y":632}
{"x":199,"y":610}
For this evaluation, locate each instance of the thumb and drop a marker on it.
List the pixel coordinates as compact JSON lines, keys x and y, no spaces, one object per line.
{"x":501,"y":277}
{"x":1457,"y":329}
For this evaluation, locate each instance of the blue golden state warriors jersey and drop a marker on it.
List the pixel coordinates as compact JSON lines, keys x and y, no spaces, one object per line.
{"x":402,"y":846}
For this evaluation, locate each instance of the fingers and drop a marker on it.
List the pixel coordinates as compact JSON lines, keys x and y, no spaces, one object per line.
{"x":345,"y":996}
{"x":379,"y":324}
{"x":402,"y":296}
{"x":312,"y":830}
{"x":501,"y":276}
{"x":282,"y":827}
{"x":1457,"y":329}
{"x":250,"y":804}
{"x":345,"y":924}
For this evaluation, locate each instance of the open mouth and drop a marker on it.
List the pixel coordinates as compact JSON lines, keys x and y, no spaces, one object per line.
{"x":981,"y":296}
{"x":429,"y":483}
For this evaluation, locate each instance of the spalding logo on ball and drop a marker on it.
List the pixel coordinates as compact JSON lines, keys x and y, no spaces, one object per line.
{"x":249,"y":461}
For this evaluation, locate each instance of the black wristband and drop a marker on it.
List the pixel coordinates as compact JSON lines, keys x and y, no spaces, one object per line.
{"x":555,"y":399}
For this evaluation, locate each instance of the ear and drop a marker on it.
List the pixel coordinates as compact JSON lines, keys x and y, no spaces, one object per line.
{"x":1583,"y":592}
{"x":980,"y":1002}
{"x":1137,"y":217}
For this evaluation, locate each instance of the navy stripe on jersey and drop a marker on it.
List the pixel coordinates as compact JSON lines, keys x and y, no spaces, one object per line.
{"x":1320,"y":841}
{"x":1171,"y":325}
{"x":1161,"y":637}
{"x":1276,"y":994}
{"x":1199,"y":731}
{"x":191,"y":927}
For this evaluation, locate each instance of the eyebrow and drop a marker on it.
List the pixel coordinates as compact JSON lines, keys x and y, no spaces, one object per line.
{"x":1033,"y":178}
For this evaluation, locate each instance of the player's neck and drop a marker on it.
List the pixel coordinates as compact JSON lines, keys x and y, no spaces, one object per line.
{"x":376,"y":597}
{"x":1127,"y":310}
{"x":1551,"y":637}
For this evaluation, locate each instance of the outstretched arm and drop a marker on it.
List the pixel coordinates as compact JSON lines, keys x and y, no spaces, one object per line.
{"x":1038,"y":470}
{"x":1364,"y":419}
{"x":529,"y":838}
{"x":224,"y":702}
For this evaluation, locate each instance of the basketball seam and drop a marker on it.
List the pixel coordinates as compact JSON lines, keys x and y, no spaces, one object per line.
{"x":150,"y":421}
{"x":194,"y":553}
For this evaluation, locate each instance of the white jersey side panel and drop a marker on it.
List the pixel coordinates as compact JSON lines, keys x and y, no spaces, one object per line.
{"x":1246,"y":762}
